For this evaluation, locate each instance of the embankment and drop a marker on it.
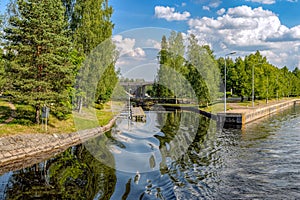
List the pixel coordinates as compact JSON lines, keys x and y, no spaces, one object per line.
{"x":236,"y":118}
{"x":247,"y":115}
{"x":23,"y":150}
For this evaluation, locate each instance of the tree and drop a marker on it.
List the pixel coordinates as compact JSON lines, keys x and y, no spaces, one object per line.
{"x":296,"y":81}
{"x":243,"y":86}
{"x":194,"y":74}
{"x":205,"y":79}
{"x":170,"y":80}
{"x":37,"y":51}
{"x":2,"y":70}
{"x":91,"y":29}
{"x":160,"y":89}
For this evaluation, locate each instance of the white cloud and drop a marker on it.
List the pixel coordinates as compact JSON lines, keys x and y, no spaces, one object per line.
{"x":183,"y":4}
{"x":263,"y":1}
{"x":245,"y":29}
{"x":285,"y":34}
{"x":205,"y":8}
{"x":269,"y":2}
{"x":246,"y":11}
{"x":126,"y":46}
{"x":138,"y":52}
{"x":208,"y":4}
{"x":221,"y":11}
{"x":214,"y":3}
{"x":169,"y":14}
{"x":150,"y":43}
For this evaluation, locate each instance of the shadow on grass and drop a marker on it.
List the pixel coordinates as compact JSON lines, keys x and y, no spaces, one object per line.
{"x":24,"y":115}
{"x":5,"y":113}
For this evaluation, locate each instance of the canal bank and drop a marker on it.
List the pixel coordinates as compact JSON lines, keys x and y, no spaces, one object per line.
{"x":21,"y":150}
{"x":242,"y":116}
{"x":239,"y":116}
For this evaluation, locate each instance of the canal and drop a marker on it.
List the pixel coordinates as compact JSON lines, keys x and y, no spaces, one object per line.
{"x":174,"y":155}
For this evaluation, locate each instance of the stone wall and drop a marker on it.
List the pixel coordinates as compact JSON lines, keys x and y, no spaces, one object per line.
{"x":23,"y":150}
{"x":268,"y":110}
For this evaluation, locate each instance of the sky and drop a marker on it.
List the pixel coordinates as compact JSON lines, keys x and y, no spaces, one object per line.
{"x":244,"y":26}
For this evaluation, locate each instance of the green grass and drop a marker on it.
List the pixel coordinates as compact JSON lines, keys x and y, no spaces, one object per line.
{"x":91,"y":117}
{"x":4,"y":110}
{"x":215,"y":108}
{"x":24,"y":116}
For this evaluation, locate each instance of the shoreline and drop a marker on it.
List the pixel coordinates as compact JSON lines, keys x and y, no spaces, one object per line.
{"x":239,"y":117}
{"x":243,"y":116}
{"x":24,"y":150}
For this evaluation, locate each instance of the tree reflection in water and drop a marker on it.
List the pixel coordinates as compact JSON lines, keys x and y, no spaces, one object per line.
{"x":74,"y":174}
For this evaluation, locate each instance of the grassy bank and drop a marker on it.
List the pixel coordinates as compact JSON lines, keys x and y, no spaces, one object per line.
{"x":5,"y":110}
{"x":22,"y":122}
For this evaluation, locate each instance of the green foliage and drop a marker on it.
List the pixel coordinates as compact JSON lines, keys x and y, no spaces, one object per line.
{"x":194,"y":77}
{"x":107,"y":84}
{"x":91,"y":29}
{"x":2,"y":69}
{"x":73,"y":174}
{"x":2,"y":72}
{"x":24,"y":115}
{"x":37,"y":54}
{"x":98,"y":106}
{"x":205,"y":75}
{"x":170,"y":77}
{"x":269,"y":81}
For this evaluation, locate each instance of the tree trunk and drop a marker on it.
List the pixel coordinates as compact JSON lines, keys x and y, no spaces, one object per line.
{"x":79,"y":104}
{"x":37,"y":114}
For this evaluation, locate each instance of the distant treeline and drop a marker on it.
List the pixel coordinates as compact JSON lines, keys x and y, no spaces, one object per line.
{"x":197,"y":73}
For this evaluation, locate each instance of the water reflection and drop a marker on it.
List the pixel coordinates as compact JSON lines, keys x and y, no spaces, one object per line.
{"x":175,"y":155}
{"x":74,"y":174}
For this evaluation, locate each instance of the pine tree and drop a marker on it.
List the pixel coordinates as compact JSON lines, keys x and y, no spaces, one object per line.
{"x":37,"y":52}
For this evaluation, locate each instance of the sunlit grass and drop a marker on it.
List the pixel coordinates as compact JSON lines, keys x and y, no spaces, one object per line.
{"x":54,"y":126}
{"x":218,"y":107}
{"x":90,"y":118}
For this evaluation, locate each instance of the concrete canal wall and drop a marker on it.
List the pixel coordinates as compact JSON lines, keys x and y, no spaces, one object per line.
{"x":244,"y":116}
{"x":239,"y":117}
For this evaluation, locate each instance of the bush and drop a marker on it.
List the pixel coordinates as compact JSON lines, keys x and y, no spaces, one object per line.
{"x":98,"y":106}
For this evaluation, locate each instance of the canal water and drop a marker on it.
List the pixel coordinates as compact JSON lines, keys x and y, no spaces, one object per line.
{"x":174,"y":155}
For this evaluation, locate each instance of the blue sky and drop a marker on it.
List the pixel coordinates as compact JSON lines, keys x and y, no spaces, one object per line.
{"x":134,"y":13}
{"x":244,"y":26}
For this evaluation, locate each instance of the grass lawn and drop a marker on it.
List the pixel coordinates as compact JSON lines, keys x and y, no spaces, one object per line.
{"x":89,"y":118}
{"x":4,"y":110}
{"x":215,"y":108}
